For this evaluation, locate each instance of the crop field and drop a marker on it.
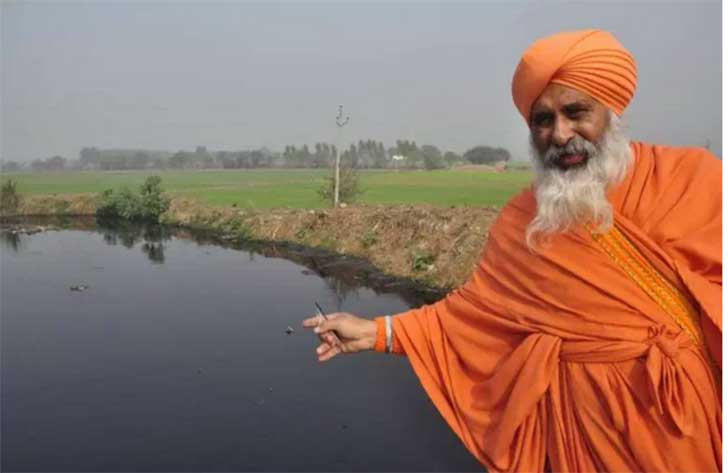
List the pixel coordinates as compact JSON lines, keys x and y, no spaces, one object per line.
{"x":292,"y":188}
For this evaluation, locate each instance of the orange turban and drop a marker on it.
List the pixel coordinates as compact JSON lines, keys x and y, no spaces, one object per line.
{"x":591,"y":61}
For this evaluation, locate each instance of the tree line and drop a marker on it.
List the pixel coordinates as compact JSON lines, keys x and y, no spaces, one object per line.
{"x":365,"y":154}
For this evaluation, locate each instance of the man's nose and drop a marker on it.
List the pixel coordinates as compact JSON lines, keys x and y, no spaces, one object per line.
{"x":563,"y":132}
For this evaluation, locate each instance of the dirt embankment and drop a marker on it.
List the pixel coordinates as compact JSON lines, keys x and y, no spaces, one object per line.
{"x":436,"y":246}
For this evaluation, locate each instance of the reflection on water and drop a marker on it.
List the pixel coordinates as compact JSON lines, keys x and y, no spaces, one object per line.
{"x":129,"y":234}
{"x":151,"y":240}
{"x":11,"y":240}
{"x":340,"y":289}
{"x":114,"y":232}
{"x":344,"y":274}
{"x":176,"y":358}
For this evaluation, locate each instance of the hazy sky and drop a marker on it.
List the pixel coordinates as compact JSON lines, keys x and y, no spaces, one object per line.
{"x":241,"y":75}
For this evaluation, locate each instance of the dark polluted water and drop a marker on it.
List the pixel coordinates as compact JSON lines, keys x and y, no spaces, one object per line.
{"x":152,"y":349}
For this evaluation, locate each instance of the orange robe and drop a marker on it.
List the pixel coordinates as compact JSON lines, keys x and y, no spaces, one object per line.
{"x":561,"y":355}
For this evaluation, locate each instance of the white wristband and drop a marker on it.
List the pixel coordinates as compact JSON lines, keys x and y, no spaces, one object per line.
{"x":388,"y":332}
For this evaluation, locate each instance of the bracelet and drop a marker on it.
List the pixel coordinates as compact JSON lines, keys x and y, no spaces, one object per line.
{"x":388,"y":325}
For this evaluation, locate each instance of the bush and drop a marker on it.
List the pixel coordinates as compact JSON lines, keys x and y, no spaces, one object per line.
{"x":152,"y":202}
{"x":422,"y":261}
{"x":9,"y":197}
{"x":146,"y":205}
{"x":348,"y":187}
{"x":369,"y":239}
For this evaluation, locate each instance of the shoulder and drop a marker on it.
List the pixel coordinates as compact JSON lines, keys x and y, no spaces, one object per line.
{"x":515,"y":214}
{"x":671,"y":161}
{"x":522,"y":204}
{"x":671,"y":185}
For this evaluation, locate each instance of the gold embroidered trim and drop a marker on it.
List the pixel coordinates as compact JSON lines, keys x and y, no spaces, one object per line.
{"x":621,"y":250}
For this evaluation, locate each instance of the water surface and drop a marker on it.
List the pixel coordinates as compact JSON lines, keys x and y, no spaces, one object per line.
{"x":176,"y":358}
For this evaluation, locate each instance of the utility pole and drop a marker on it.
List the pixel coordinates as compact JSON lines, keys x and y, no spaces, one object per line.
{"x":340,"y":123}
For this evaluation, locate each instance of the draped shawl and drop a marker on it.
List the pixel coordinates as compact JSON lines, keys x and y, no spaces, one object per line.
{"x":559,"y":352}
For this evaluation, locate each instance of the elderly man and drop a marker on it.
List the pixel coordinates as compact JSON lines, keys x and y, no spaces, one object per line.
{"x":589,"y":335}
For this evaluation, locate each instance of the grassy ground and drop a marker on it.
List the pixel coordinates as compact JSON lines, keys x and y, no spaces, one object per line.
{"x":292,"y":188}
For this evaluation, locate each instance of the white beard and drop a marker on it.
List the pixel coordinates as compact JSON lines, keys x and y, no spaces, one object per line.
{"x":576,"y":196}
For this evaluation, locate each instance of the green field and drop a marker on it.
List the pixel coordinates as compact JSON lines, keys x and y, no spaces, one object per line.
{"x":291,"y":187}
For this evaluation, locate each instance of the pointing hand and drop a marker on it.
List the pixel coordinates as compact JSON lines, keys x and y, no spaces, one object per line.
{"x":355,"y":334}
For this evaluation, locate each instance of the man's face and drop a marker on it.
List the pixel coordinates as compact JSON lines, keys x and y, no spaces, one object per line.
{"x":563,"y":116}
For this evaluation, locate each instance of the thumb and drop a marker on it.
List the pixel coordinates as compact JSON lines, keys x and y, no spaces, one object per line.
{"x":332,"y":322}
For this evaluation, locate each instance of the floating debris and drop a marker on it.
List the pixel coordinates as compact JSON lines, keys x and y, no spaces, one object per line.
{"x":289,"y":330}
{"x":79,"y":287}
{"x":16,"y":230}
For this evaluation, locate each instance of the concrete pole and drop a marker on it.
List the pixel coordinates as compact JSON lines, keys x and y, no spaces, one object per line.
{"x":340,"y":123}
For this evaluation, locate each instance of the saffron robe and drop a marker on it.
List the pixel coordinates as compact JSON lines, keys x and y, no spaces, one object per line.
{"x":560,"y":354}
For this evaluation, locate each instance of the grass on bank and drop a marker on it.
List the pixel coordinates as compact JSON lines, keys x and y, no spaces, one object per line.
{"x":265,"y":188}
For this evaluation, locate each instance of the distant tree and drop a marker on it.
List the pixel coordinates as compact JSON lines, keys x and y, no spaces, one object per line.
{"x":452,"y":158}
{"x":289,"y":156}
{"x":56,"y":163}
{"x":306,"y":157}
{"x":351,"y":157}
{"x":410,"y":151}
{"x":406,"y":148}
{"x":201,"y":159}
{"x":115,"y":160}
{"x":364,"y":155}
{"x":257,"y":158}
{"x":141,"y":160}
{"x":380,"y":155}
{"x":243,"y":160}
{"x":10,"y":166}
{"x":268,"y":157}
{"x":432,"y":157}
{"x":322,"y":155}
{"x":89,"y":158}
{"x":178,"y":160}
{"x":370,"y":154}
{"x":225,"y":160}
{"x":159,"y":163}
{"x":486,"y":155}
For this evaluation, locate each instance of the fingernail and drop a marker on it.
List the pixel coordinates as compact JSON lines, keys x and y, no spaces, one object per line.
{"x":317,"y":330}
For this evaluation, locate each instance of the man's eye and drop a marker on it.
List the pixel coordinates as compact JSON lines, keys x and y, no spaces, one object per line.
{"x":576,"y":113}
{"x":542,"y":120}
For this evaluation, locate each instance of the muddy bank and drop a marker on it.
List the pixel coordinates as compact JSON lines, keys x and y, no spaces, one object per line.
{"x":435,"y":247}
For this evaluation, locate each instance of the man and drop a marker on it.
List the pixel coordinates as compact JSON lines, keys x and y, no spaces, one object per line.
{"x":589,"y":336}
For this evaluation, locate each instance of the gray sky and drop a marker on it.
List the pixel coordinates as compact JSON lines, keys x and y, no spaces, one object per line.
{"x":240,"y":75}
